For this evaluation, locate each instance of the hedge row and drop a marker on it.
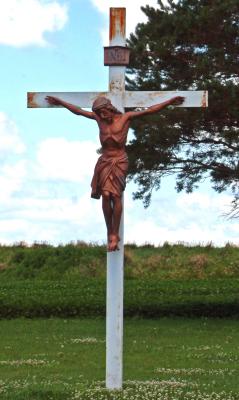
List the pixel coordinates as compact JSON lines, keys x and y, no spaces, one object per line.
{"x":77,"y":261}
{"x":143,"y":298}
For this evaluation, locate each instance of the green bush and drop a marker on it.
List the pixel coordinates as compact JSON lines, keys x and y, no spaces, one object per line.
{"x":75,"y":261}
{"x":144,"y":298}
{"x":69,"y":280}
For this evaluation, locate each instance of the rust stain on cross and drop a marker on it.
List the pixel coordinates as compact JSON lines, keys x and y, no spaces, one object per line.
{"x":31,"y":100}
{"x":204,"y":102}
{"x":117,"y":22}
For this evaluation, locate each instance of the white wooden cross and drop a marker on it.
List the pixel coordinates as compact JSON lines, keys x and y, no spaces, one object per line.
{"x":120,"y":99}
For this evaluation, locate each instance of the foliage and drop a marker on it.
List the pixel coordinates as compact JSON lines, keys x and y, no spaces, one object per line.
{"x":187,"y":45}
{"x":234,"y":213}
{"x":78,"y":261}
{"x":44,"y":281}
{"x":43,"y":261}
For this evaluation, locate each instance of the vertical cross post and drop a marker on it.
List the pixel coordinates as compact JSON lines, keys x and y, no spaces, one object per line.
{"x":115,"y":260}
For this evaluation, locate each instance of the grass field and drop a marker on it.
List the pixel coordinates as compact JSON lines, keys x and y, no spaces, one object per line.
{"x":145,"y":298}
{"x":170,"y":357}
{"x":164,"y":359}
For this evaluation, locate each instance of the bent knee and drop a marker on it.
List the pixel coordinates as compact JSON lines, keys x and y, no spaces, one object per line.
{"x":116,"y":198}
{"x":106,"y":195}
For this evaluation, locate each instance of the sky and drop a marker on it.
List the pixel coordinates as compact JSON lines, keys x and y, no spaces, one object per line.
{"x":47,"y":156}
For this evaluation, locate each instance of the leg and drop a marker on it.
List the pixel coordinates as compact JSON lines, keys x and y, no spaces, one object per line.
{"x":116,"y":217}
{"x":108,"y":212}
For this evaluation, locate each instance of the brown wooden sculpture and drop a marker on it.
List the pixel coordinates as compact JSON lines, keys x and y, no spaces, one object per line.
{"x":111,"y":168}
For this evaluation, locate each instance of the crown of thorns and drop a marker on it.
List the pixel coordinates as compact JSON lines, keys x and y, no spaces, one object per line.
{"x":101,"y":102}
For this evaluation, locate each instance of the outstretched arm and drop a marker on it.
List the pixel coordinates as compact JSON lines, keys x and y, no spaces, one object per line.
{"x":71,"y":107}
{"x":177,"y":100}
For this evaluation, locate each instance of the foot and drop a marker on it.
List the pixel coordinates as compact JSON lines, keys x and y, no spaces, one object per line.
{"x":113,"y":242}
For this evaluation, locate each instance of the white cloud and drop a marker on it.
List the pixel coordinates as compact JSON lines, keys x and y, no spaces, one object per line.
{"x":235,"y":228}
{"x":24,"y":22}
{"x":12,"y":173}
{"x":59,"y":209}
{"x":190,"y":218}
{"x":195,"y":201}
{"x":12,"y":170}
{"x":56,"y":220}
{"x":73,"y":161}
{"x":12,"y":177}
{"x":134,"y":15}
{"x":149,"y":231}
{"x":61,"y":218}
{"x":10,"y":141}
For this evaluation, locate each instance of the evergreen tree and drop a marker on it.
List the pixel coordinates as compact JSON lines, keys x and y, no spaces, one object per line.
{"x":187,"y":45}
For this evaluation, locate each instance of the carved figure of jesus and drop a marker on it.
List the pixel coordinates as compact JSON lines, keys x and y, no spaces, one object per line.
{"x":111,"y":168}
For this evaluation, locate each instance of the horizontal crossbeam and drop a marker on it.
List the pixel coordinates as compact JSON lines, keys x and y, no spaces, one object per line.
{"x":146,"y":99}
{"x":193,"y":98}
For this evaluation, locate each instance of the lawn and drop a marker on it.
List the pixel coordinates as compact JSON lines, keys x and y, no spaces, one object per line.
{"x":181,"y":350}
{"x":167,"y":358}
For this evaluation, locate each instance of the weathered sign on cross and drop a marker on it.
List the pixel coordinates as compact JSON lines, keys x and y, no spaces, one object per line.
{"x":117,"y":57}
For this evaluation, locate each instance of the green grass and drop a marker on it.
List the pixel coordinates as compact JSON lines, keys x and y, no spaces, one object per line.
{"x":145,"y":298}
{"x":193,"y":359}
{"x":81,"y":260}
{"x":164,"y":358}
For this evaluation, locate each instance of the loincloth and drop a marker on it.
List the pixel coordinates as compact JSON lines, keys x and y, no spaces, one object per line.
{"x":109,"y":175}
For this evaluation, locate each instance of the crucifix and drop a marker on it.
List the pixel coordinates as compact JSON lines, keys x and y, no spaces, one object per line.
{"x":108,"y":110}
